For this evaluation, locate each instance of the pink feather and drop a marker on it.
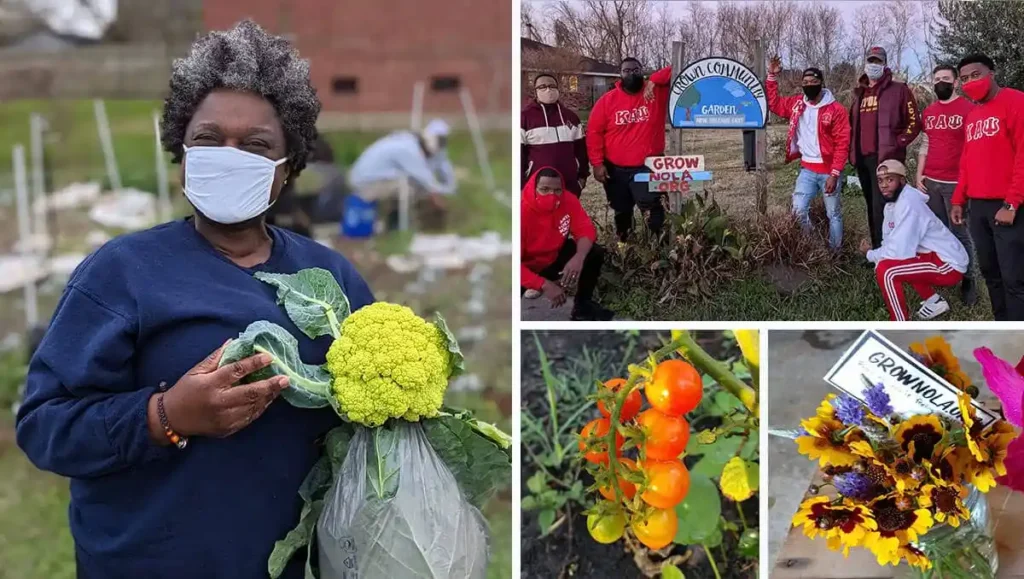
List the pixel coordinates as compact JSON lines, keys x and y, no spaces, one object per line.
{"x":1006,"y":382}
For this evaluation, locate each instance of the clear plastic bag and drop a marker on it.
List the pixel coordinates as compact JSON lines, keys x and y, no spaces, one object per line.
{"x":395,"y":511}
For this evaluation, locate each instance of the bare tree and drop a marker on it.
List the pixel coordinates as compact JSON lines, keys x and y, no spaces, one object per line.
{"x":530,"y":23}
{"x":901,"y":27}
{"x":665,"y":28}
{"x":702,"y":22}
{"x":868,"y":28}
{"x":778,"y":16}
{"x":608,"y":31}
{"x":819,"y":36}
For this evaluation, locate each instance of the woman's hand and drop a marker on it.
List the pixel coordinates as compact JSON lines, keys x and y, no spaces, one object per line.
{"x":204,"y":401}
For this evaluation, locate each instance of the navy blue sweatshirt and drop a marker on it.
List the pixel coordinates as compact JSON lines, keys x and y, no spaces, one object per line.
{"x":144,"y":309}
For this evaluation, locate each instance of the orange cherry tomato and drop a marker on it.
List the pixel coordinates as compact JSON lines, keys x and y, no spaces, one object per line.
{"x":629,"y":408}
{"x":666,"y":436}
{"x":658,"y":531}
{"x":599,"y":451}
{"x":667,"y":483}
{"x":676,"y":388}
{"x":628,"y":489}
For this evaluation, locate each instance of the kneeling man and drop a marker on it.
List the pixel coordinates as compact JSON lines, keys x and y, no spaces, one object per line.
{"x":916,"y":248}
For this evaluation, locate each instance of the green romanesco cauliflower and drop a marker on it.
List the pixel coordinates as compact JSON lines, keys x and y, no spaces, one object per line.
{"x":389,"y":363}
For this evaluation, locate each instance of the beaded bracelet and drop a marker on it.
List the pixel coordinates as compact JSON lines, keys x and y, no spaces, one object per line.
{"x":177,"y":439}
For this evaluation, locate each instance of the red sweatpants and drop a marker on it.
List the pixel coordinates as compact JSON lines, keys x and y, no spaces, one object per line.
{"x":923,"y":273}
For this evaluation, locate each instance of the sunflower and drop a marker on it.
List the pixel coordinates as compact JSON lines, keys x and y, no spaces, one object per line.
{"x":946,"y":501}
{"x":896,"y":528}
{"x":842,"y":524}
{"x":937,"y":354}
{"x":972,"y":429}
{"x":825,"y":441}
{"x":924,"y":432}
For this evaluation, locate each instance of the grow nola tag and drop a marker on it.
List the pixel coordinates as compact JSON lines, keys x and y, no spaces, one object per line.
{"x":913,"y":388}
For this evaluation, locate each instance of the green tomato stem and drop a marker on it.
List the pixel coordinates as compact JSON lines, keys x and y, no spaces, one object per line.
{"x":711,"y":559}
{"x":705,"y":363}
{"x":635,"y":375}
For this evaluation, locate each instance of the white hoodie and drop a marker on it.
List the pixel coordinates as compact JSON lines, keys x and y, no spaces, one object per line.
{"x":806,"y":141}
{"x":910,"y":228}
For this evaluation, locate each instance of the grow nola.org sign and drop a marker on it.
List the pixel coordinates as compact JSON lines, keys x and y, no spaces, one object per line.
{"x":912,"y":387}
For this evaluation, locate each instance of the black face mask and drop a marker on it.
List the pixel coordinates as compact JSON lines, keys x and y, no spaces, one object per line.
{"x":812,"y":91}
{"x":943,"y":90}
{"x":633,"y":82}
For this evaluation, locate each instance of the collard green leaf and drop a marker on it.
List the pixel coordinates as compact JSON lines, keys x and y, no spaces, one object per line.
{"x":317,"y":482}
{"x":312,"y":298}
{"x":296,"y":539}
{"x":458,"y":362}
{"x":382,"y":466}
{"x":479,"y":465}
{"x":699,"y":512}
{"x":336,"y":445}
{"x":309,"y":386}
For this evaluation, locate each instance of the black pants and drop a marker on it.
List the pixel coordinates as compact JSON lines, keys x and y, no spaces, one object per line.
{"x":1000,"y":257}
{"x":588,"y":276}
{"x":866,"y":171}
{"x":624,"y":194}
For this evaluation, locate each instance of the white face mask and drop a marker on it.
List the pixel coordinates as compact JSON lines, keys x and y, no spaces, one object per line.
{"x":228,"y":185}
{"x":874,"y":71}
{"x":547,"y":95}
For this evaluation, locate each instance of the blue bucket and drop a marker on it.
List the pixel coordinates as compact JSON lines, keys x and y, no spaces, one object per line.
{"x":358,"y":217}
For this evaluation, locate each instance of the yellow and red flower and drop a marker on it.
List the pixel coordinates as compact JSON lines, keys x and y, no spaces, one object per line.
{"x":920,"y":436}
{"x":896,"y":528}
{"x":825,"y":441}
{"x":843,"y":525}
{"x":937,"y":354}
{"x":946,"y":500}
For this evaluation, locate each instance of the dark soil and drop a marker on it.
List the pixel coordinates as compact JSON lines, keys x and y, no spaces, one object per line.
{"x":569,"y":551}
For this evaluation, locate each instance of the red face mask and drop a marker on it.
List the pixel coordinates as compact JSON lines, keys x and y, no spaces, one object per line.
{"x":978,"y":89}
{"x":547,"y":203}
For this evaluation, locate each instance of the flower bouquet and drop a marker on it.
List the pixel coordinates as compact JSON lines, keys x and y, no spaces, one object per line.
{"x":911,"y":488}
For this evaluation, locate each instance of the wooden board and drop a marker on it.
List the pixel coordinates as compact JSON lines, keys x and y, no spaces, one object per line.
{"x":802,"y":558}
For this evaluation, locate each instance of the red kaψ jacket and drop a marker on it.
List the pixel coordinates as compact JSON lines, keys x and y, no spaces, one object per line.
{"x":833,"y":145}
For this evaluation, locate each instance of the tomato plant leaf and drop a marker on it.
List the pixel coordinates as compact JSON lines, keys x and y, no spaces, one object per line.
{"x":750,"y":543}
{"x":478,"y":462}
{"x":312,"y":298}
{"x":724,"y":404}
{"x":670,"y":571}
{"x":739,"y":479}
{"x":308,"y":386}
{"x":699,"y":511}
{"x":546,"y":519}
{"x":716,"y":455}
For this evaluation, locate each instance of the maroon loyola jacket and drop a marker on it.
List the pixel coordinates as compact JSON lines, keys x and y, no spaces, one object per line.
{"x":552,"y":136}
{"x":899,"y":120}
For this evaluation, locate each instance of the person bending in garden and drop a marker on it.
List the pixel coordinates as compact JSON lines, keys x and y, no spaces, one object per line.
{"x":819,"y":135}
{"x":627,"y":125}
{"x":916,"y":249}
{"x":175,"y":472}
{"x":558,"y":245}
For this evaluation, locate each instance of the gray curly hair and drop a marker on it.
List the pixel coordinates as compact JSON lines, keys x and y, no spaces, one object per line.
{"x":245,"y":58}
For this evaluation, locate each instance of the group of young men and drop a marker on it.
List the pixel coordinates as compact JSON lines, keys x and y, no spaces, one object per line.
{"x":969,"y":179}
{"x":961,"y":205}
{"x":558,"y":238}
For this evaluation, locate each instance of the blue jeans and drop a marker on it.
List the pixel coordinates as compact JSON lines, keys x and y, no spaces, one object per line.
{"x":808,"y":185}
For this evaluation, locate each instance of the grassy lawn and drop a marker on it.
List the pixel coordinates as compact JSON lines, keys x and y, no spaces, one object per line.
{"x":34,"y":539}
{"x":840,"y":290}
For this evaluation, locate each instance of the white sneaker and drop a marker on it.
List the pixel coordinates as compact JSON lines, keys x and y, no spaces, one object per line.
{"x":532,"y":294}
{"x":933,"y":307}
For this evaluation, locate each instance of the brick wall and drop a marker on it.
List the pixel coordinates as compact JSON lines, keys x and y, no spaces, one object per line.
{"x":384,"y":47}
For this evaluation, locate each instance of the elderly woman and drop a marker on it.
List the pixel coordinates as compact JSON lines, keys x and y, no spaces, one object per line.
{"x":174,"y":472}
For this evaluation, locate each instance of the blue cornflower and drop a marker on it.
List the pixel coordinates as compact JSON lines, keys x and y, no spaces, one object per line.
{"x":878,"y":400}
{"x":849,"y":410}
{"x":853,"y":485}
